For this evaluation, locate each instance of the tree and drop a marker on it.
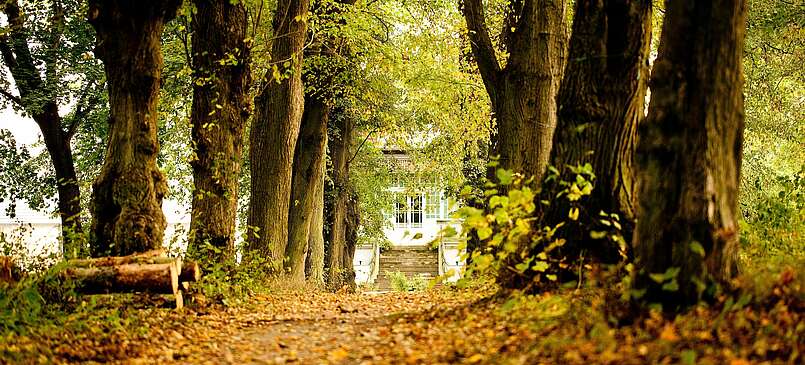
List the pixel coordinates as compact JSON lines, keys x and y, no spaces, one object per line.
{"x":273,"y":135}
{"x":59,"y":45}
{"x":307,"y":180}
{"x":218,"y":117}
{"x":342,"y":213}
{"x":601,"y":103}
{"x":689,"y":154}
{"x":314,"y":261}
{"x":127,"y":195}
{"x":322,"y":75}
{"x":523,"y":92}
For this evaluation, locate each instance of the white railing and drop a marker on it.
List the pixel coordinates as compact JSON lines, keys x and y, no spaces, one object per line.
{"x":374,"y":262}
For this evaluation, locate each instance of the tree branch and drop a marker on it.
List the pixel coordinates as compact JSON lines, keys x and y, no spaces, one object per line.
{"x":12,"y":97}
{"x":15,"y":51}
{"x":481,"y":44}
{"x":361,"y":145}
{"x":83,"y":108}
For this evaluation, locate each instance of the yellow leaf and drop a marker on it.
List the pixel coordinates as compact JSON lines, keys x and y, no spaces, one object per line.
{"x":668,"y":333}
{"x":573,"y":214}
{"x":475,"y":358}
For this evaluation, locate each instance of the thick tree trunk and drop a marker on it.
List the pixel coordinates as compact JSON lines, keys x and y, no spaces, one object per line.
{"x":601,"y":103}
{"x":219,"y":114}
{"x":314,"y":267}
{"x":273,"y":135}
{"x":127,"y":194}
{"x":307,"y":170}
{"x":342,"y":216}
{"x":16,"y":55}
{"x":523,"y":94}
{"x":689,"y":154}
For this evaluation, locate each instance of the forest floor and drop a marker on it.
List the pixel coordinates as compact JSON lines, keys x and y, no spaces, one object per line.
{"x":443,"y":325}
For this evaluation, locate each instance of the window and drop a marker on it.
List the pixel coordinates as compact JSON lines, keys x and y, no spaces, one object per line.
{"x":408,"y":211}
{"x":433,"y":205}
{"x":416,"y":210}
{"x":400,"y":211}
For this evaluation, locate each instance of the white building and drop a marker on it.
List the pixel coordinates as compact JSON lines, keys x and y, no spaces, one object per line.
{"x":31,"y":236}
{"x":419,"y":213}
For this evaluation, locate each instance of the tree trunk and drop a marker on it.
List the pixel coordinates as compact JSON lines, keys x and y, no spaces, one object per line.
{"x":601,"y":103}
{"x":342,"y":216}
{"x":523,"y":94}
{"x":57,"y":143}
{"x":17,"y":57}
{"x":689,"y":154}
{"x":315,"y":258}
{"x":127,"y":194}
{"x":272,"y":140}
{"x":219,"y":113}
{"x":307,"y":180}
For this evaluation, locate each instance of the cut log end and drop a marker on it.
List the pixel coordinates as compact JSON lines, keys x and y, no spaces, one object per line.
{"x":190,"y":272}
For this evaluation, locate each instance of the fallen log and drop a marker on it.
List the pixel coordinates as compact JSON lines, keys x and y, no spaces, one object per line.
{"x":148,"y":257}
{"x":148,"y":272}
{"x":190,"y":270}
{"x":126,"y":278}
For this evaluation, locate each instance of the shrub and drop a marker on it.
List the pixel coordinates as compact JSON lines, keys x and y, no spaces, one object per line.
{"x":516,"y":245}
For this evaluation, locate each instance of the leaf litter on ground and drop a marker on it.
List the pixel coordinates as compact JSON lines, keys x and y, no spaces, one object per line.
{"x":443,"y":325}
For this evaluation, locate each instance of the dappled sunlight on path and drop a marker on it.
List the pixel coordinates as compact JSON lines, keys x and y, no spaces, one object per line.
{"x":307,"y":328}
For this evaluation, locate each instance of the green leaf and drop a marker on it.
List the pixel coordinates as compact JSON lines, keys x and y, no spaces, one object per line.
{"x":671,"y":286}
{"x":504,"y":176}
{"x":688,"y":357}
{"x":696,"y":247}
{"x":484,"y":233}
{"x":597,"y":235}
{"x":540,"y":266}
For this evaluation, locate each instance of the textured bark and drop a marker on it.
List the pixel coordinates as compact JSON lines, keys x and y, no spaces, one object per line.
{"x":219,"y":114}
{"x":37,"y":97}
{"x":342,"y":217}
{"x":314,"y":268}
{"x":273,"y":135}
{"x":152,"y":278}
{"x":689,"y":154}
{"x":523,"y":94}
{"x":601,"y":104}
{"x":127,"y":194}
{"x":307,"y":181}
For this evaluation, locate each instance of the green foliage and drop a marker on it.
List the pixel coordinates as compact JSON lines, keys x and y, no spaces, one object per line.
{"x":39,"y":298}
{"x":21,"y":177}
{"x":775,"y":224}
{"x":518,"y":245}
{"x":771,"y":171}
{"x":400,"y":282}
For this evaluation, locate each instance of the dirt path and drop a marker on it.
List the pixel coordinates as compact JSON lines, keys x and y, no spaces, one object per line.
{"x":302,"y":328}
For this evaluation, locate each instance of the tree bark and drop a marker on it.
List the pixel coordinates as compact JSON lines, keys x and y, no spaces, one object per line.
{"x":307,"y":180}
{"x":689,"y":154}
{"x":601,"y":104}
{"x":274,"y":132}
{"x":523,"y":93}
{"x":151,"y":278}
{"x":127,"y":194}
{"x":315,"y":258}
{"x":218,"y":116}
{"x":342,"y":216}
{"x":32,"y":89}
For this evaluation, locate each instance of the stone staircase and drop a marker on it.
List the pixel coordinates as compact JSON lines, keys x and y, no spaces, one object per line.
{"x":411,"y":261}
